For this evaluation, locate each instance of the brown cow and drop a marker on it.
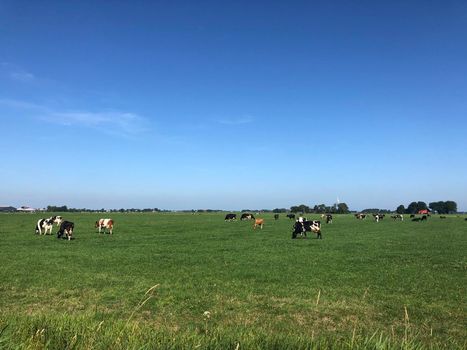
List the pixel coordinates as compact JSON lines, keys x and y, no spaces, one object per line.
{"x":258,"y":222}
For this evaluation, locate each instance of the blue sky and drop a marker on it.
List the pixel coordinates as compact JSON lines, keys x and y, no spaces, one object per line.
{"x":232,"y":104}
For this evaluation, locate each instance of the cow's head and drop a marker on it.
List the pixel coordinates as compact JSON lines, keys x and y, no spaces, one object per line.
{"x":58,"y":220}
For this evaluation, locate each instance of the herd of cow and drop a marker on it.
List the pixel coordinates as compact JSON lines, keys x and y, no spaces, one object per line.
{"x":300,"y":227}
{"x":45,"y":226}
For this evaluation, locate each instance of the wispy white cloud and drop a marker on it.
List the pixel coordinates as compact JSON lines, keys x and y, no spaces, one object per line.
{"x":236,"y":121}
{"x":120,"y":123}
{"x":111,"y":122}
{"x":16,"y":73}
{"x":22,"y":76}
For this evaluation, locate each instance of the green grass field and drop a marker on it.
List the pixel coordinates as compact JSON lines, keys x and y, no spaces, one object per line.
{"x":386,"y":285}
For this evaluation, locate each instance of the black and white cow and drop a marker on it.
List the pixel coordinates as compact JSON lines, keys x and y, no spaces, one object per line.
{"x":230,"y":217}
{"x":378,"y":217}
{"x":328,"y":219}
{"x":66,"y":228}
{"x":247,"y":216}
{"x":301,"y":228}
{"x":360,"y":216}
{"x":46,"y":225}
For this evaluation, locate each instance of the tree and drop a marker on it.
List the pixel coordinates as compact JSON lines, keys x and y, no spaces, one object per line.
{"x":421,"y":206}
{"x":400,"y":209}
{"x":319,"y":208}
{"x":412,"y":208}
{"x":438,"y":207}
{"x":451,"y":207}
{"x":342,"y":208}
{"x":441,"y":207}
{"x":302,"y":208}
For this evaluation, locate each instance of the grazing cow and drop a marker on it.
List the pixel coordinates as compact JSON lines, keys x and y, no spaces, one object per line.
{"x":105,"y":224}
{"x":328,"y":219}
{"x":378,"y":217}
{"x":398,"y":217}
{"x":301,"y":228}
{"x":276,"y":216}
{"x":230,"y":217}
{"x":416,"y":219}
{"x":66,"y":228}
{"x":412,"y":216}
{"x":360,"y":216}
{"x":443,"y":217}
{"x":247,"y":216}
{"x":424,"y":218}
{"x":291,"y":216}
{"x":258,"y":222}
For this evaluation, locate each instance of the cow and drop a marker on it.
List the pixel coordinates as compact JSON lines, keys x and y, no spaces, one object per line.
{"x":66,"y":228}
{"x":291,"y":216}
{"x":360,"y":216}
{"x":230,"y":217}
{"x":105,"y":224}
{"x":378,"y":217}
{"x":328,"y":219}
{"x":301,"y":228}
{"x":465,"y":219}
{"x":47,"y":224}
{"x":442,"y":217}
{"x":247,"y":216}
{"x":416,"y":219}
{"x":398,"y":217}
{"x":412,"y":216}
{"x":258,"y":222}
{"x":276,"y":216}
{"x":424,"y":218}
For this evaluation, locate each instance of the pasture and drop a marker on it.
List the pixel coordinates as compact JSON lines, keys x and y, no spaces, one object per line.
{"x":223,"y":285}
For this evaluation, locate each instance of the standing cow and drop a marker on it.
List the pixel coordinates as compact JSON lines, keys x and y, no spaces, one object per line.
{"x":301,"y":228}
{"x":66,"y":228}
{"x":105,"y":224}
{"x":230,"y":217}
{"x":46,"y":225}
{"x":247,"y":216}
{"x":258,"y":223}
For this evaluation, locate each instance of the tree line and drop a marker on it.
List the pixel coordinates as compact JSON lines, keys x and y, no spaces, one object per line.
{"x":440,"y":207}
{"x":340,"y":208}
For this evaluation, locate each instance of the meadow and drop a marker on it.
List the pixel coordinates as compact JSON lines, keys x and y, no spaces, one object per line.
{"x":178,"y":281}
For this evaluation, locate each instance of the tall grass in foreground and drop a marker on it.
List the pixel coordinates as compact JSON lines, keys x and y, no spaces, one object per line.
{"x":65,"y":332}
{"x":85,"y":332}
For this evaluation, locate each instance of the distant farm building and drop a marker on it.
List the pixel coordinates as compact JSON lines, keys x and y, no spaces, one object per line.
{"x":26,"y":209}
